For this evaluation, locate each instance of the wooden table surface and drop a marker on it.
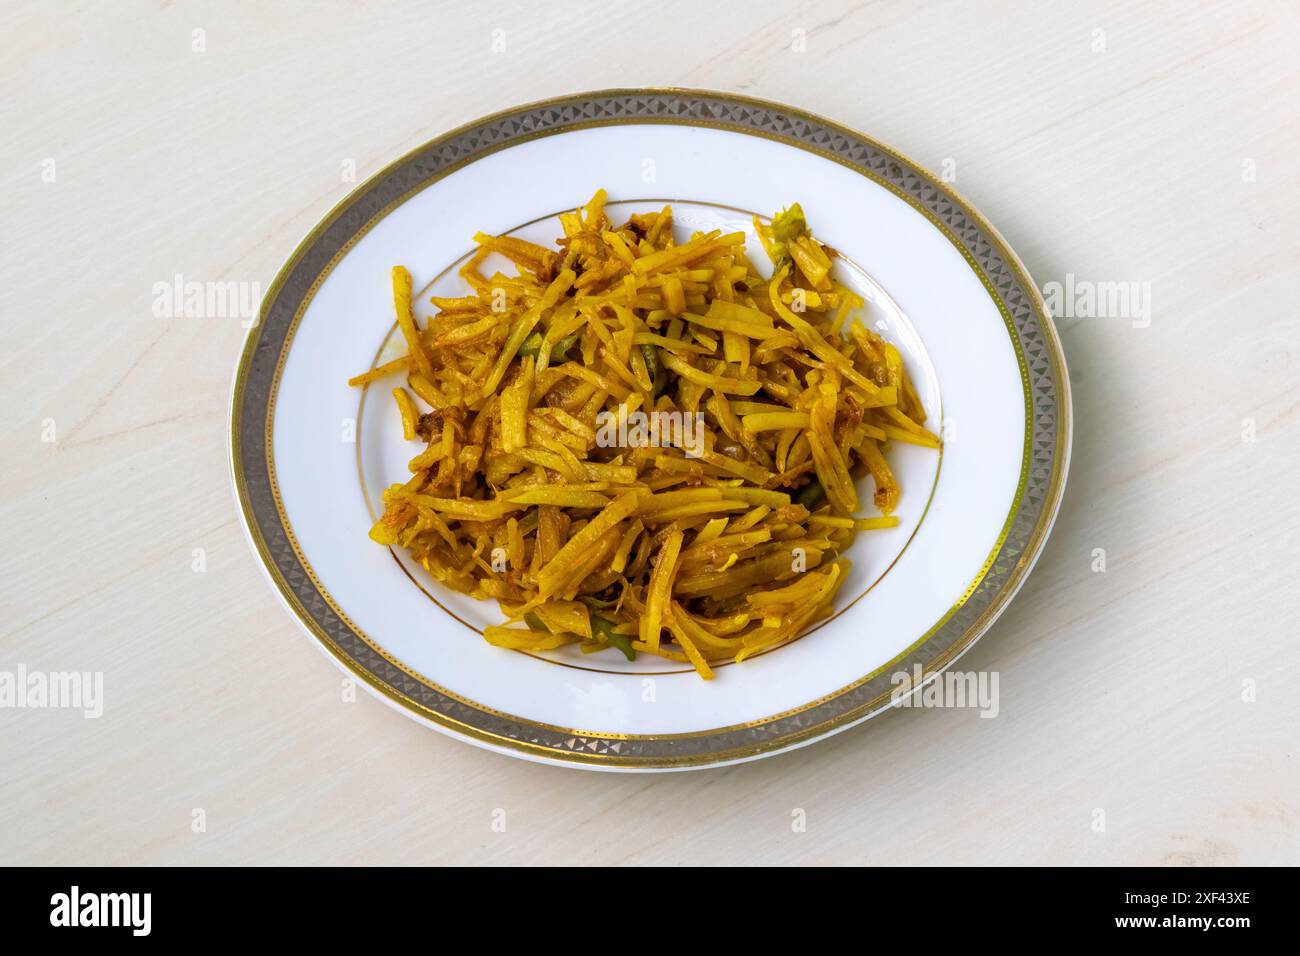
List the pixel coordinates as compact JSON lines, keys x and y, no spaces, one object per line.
{"x":1149,"y":711}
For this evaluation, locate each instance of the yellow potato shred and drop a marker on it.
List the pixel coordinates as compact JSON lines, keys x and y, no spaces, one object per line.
{"x":637,"y":442}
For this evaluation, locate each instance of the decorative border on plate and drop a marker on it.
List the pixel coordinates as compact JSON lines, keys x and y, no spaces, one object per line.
{"x":1035,"y":339}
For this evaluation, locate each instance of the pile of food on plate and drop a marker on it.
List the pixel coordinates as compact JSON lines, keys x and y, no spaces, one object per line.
{"x":644,"y":445}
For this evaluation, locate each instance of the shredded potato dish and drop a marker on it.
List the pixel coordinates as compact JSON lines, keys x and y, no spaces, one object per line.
{"x":640,"y":444}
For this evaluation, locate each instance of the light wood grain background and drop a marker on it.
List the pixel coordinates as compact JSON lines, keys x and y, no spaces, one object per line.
{"x":1159,"y":150}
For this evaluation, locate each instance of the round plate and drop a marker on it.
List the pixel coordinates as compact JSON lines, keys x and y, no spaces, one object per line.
{"x":310,"y":455}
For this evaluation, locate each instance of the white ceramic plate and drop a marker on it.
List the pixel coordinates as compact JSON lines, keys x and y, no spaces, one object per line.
{"x":310,"y":455}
